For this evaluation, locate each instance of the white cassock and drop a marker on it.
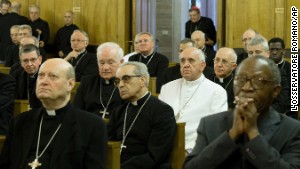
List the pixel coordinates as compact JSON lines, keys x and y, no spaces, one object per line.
{"x":193,"y":100}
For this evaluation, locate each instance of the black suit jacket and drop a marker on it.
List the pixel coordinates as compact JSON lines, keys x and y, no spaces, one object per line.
{"x":43,"y":26}
{"x":88,"y":95}
{"x":277,"y":146}
{"x":21,"y":90}
{"x":79,"y":144}
{"x":85,"y":64}
{"x":156,"y":66}
{"x":7,"y":87}
{"x":149,"y":142}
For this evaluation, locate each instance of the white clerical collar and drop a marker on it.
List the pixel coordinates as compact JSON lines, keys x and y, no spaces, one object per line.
{"x":135,"y":103}
{"x":221,"y":80}
{"x":51,"y":112}
{"x":280,"y":62}
{"x":81,"y":52}
{"x":195,"y":82}
{"x":145,"y":56}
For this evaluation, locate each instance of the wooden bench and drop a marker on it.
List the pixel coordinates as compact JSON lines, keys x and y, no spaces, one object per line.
{"x":74,"y":90}
{"x":5,"y":70}
{"x":178,"y":152}
{"x":113,"y":155}
{"x":152,"y":86}
{"x":2,"y":139}
{"x":112,"y":158}
{"x":20,"y":106}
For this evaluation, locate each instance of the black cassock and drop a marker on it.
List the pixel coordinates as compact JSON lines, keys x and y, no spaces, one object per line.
{"x":88,"y":95}
{"x":150,"y":140}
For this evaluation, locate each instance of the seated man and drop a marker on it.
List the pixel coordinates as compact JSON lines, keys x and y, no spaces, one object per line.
{"x":26,"y":76}
{"x":57,"y":135}
{"x":173,"y":73}
{"x":145,"y":125}
{"x":259,"y":46}
{"x":63,"y":35}
{"x":199,"y":39}
{"x":254,"y":135}
{"x":97,"y":93}
{"x":13,"y":49}
{"x":155,"y":62}
{"x":246,"y":37}
{"x":84,"y":62}
{"x":7,"y":88}
{"x":277,"y":52}
{"x":193,"y":96}
{"x":224,"y":65}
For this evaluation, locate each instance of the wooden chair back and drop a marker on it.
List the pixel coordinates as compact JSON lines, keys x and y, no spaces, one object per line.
{"x":73,"y":92}
{"x":20,"y":106}
{"x":152,"y":86}
{"x":5,"y":70}
{"x":178,"y":152}
{"x":2,"y":139}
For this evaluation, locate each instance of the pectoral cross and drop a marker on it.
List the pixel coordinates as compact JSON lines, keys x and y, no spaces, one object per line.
{"x":34,"y":164}
{"x":122,"y":146}
{"x":104,"y":112}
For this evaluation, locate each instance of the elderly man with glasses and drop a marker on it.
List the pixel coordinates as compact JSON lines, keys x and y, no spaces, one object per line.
{"x":144,"y":125}
{"x":224,"y":65}
{"x":84,"y":62}
{"x":26,"y":76}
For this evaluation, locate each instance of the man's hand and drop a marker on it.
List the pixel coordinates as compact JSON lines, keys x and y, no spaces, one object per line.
{"x":71,"y":55}
{"x":245,"y":107}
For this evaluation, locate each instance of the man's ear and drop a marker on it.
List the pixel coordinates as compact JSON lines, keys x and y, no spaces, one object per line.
{"x":143,"y":81}
{"x":276,"y":92}
{"x":71,"y":84}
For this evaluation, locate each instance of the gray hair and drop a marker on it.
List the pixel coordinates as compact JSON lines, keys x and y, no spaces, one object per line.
{"x":111,"y":46}
{"x":21,"y":27}
{"x":187,"y":40}
{"x":140,"y":69}
{"x":84,"y":33}
{"x":146,"y":33}
{"x":259,"y":40}
{"x":29,"y":48}
{"x":35,"y":40}
{"x":33,"y":6}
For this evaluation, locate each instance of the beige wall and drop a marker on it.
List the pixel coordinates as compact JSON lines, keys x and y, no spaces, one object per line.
{"x":269,"y":17}
{"x":103,"y":20}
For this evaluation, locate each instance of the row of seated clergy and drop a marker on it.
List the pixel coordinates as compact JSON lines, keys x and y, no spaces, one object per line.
{"x":113,"y":150}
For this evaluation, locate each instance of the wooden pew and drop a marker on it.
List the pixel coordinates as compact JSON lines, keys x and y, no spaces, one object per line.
{"x":172,"y":64}
{"x":20,"y":106}
{"x":112,"y":158}
{"x":113,"y":155}
{"x":2,"y":139}
{"x":178,"y":152}
{"x":4,"y":70}
{"x":73,"y":92}
{"x":152,"y":86}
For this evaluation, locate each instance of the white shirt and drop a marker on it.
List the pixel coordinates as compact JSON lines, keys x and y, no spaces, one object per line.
{"x":126,"y":57}
{"x":193,"y":100}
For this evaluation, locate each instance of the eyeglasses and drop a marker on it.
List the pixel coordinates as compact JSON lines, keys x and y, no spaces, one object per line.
{"x":27,"y":61}
{"x":144,"y":40}
{"x":125,"y":79}
{"x":256,"y":82}
{"x":275,"y":49}
{"x":77,"y":40}
{"x":222,"y":61}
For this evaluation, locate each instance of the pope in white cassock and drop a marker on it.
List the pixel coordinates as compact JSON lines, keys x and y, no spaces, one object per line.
{"x":193,"y":96}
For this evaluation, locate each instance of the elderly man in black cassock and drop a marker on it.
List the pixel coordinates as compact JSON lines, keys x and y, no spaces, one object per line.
{"x":97,"y":93}
{"x":26,"y":75}
{"x":84,"y":62}
{"x":144,"y":125}
{"x":58,"y":135}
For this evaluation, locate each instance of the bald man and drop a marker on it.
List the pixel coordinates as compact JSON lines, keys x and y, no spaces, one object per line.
{"x":77,"y":138}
